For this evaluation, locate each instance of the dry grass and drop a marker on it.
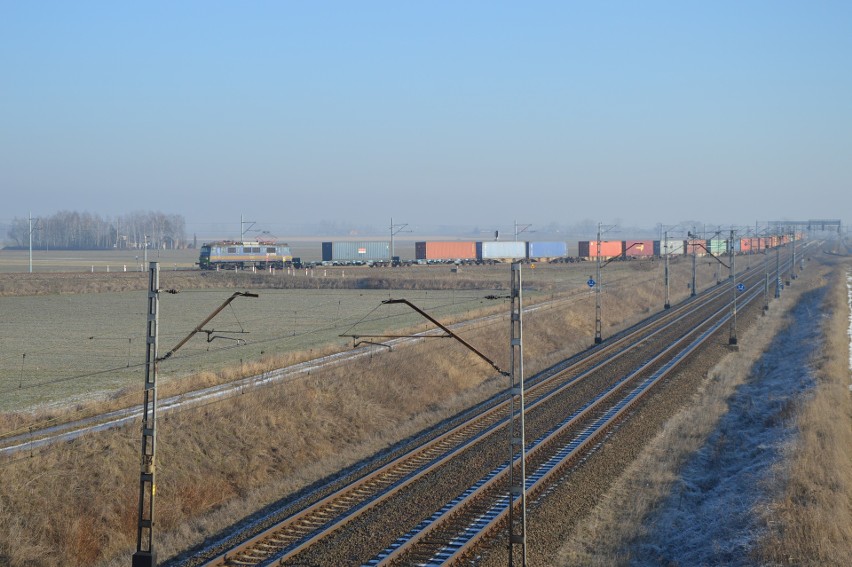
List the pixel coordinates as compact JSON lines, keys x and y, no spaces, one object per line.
{"x":75,"y":504}
{"x":618,"y":518}
{"x":811,"y":521}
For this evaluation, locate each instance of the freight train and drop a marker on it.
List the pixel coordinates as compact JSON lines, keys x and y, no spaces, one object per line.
{"x":231,"y":255}
{"x":497,"y":251}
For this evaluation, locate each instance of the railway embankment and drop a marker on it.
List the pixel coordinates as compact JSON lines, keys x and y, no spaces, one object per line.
{"x":751,"y":467}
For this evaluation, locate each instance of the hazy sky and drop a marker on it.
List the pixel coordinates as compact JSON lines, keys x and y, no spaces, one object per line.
{"x":434,"y":113}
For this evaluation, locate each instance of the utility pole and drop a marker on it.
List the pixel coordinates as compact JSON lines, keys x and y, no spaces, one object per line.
{"x":519,"y":228}
{"x":793,"y":264}
{"x":395,"y":229}
{"x":517,"y":436}
{"x":144,"y":249}
{"x":765,"y":282}
{"x":666,"y":256}
{"x":777,"y":271}
{"x":31,"y":240}
{"x":691,"y":236}
{"x":718,"y":264}
{"x":145,"y":555}
{"x":732,"y":339}
{"x":598,"y":285}
{"x":244,"y":230}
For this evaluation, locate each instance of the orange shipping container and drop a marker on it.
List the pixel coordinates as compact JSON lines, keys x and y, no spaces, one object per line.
{"x":609,"y":248}
{"x":445,"y":250}
{"x":698,"y":247}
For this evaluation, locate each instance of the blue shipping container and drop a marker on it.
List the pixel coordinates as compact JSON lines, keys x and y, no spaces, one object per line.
{"x":546,"y":249}
{"x":355,"y":251}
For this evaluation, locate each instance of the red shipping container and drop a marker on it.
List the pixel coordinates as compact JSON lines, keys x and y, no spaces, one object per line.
{"x":609,"y":248}
{"x":638,"y":248}
{"x":437,"y":250}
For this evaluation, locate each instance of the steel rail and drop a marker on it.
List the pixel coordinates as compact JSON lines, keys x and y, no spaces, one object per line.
{"x":498,"y":509}
{"x":315,"y":522}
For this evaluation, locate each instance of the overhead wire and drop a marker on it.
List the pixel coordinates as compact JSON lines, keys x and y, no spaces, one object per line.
{"x":482,"y":324}
{"x":182,"y":356}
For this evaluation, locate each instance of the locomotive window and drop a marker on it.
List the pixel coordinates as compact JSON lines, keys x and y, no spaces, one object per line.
{"x":251,"y":249}
{"x":270,"y":250}
{"x":232,"y":250}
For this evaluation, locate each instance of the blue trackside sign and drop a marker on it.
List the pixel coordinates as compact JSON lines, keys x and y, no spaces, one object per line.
{"x":591,"y":282}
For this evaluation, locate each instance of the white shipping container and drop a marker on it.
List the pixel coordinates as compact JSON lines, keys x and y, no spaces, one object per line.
{"x":675,"y":247}
{"x":501,"y":250}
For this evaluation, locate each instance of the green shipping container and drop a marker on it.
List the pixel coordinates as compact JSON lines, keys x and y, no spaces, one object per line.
{"x":717,"y":246}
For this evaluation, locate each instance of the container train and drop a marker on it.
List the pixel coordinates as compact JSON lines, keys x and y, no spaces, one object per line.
{"x":230,"y":255}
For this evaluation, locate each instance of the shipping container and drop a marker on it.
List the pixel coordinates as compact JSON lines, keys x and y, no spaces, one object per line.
{"x":495,"y":250}
{"x":445,"y":250}
{"x":537,"y":250}
{"x":638,"y":248}
{"x":609,"y":248}
{"x":675,"y":247}
{"x":355,"y":251}
{"x":751,"y":245}
{"x":697,"y":247}
{"x":717,"y":246}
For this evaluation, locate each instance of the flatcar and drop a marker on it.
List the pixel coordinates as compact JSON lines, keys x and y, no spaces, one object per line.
{"x":232,"y":255}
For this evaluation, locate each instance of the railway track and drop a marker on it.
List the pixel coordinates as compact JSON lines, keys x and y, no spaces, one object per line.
{"x":583,"y":378}
{"x":476,"y":513}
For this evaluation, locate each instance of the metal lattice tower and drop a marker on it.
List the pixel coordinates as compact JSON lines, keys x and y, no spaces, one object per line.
{"x":598,"y":286}
{"x":732,"y":339}
{"x":517,"y":481}
{"x":145,"y":555}
{"x":793,"y":261}
{"x":694,"y":261}
{"x":777,"y":272}
{"x":667,"y":304}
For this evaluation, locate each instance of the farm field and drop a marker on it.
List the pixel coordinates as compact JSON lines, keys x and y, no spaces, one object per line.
{"x":64,"y":347}
{"x":94,"y":260}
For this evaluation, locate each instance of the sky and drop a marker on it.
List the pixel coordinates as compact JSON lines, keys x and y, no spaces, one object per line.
{"x":463,"y":114}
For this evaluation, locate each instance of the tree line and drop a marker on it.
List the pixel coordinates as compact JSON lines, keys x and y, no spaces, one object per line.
{"x":71,"y":230}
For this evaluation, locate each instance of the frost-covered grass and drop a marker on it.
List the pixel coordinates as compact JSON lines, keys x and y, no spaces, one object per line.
{"x":709,"y":516}
{"x":655,"y":478}
{"x":811,"y":517}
